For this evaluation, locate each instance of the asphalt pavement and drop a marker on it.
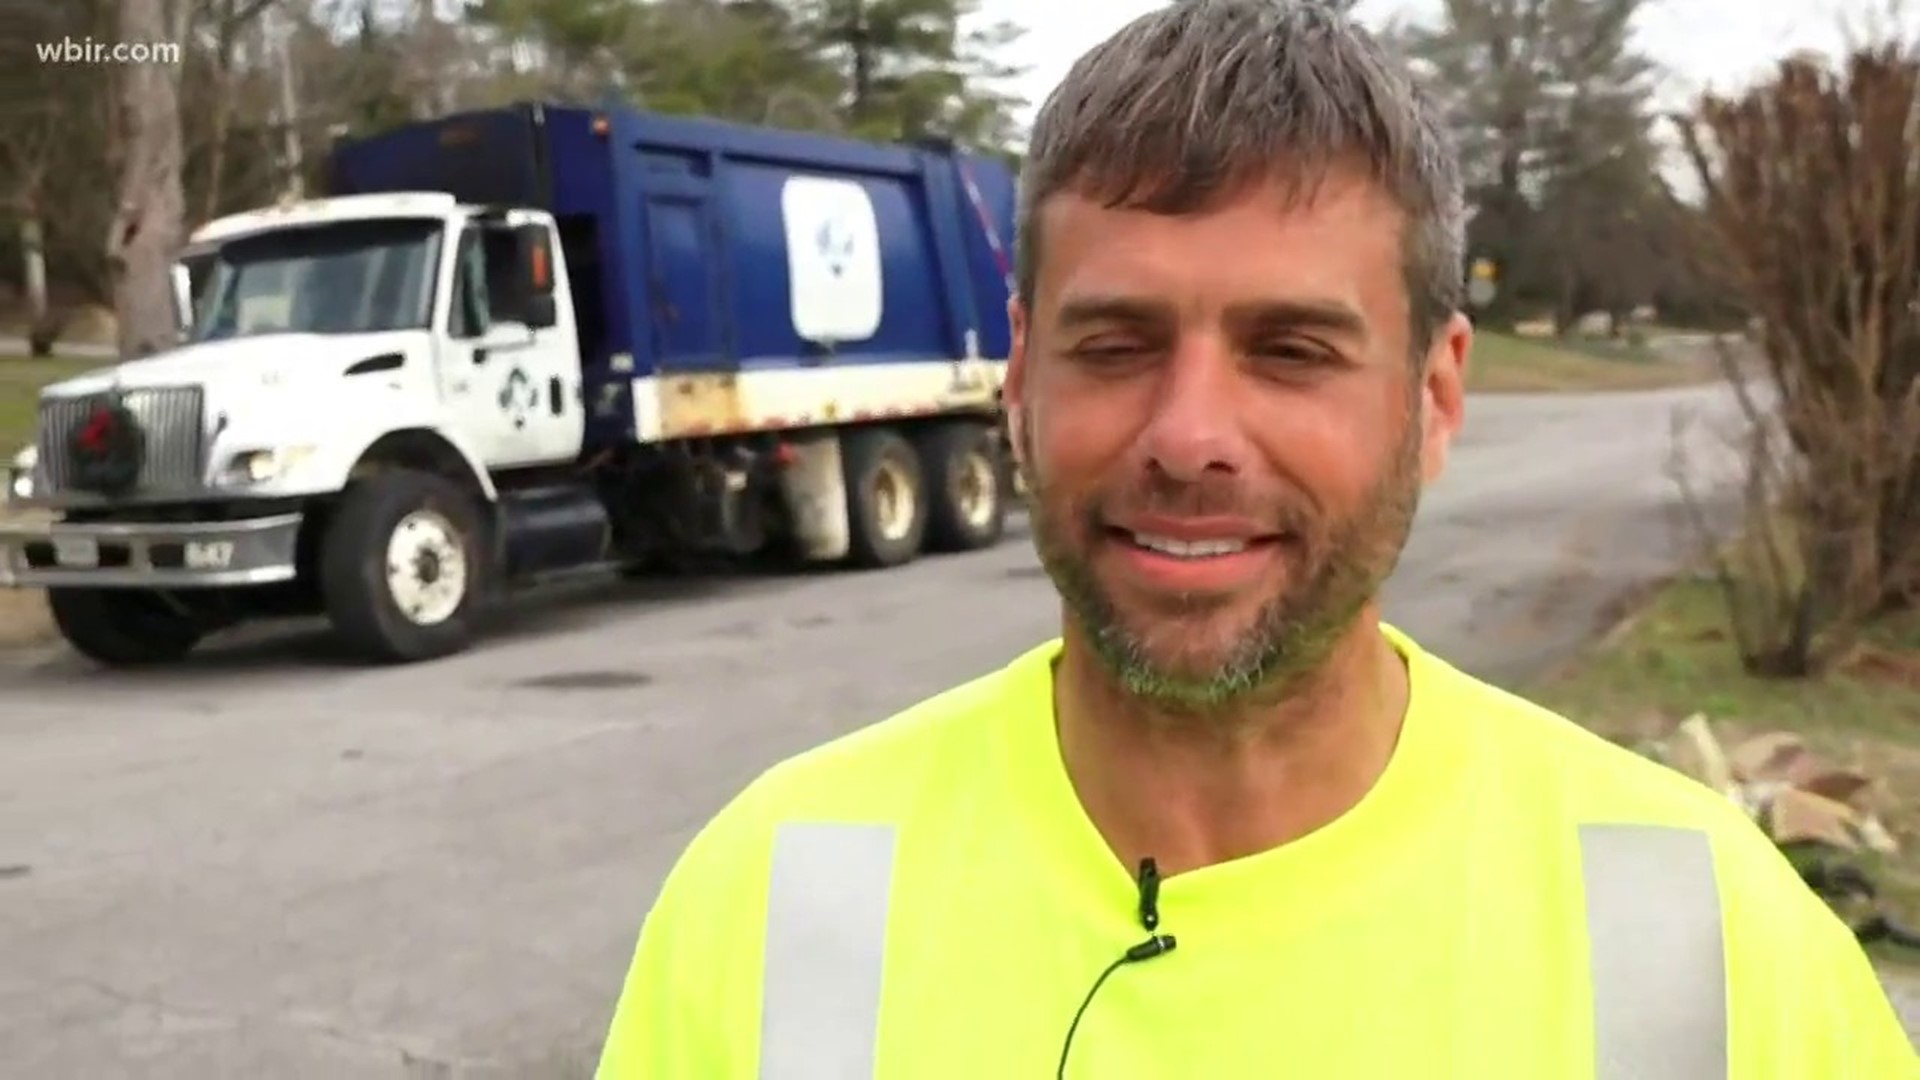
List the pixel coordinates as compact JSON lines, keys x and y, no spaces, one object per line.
{"x":268,"y":862}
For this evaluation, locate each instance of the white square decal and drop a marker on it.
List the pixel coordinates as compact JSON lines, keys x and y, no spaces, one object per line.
{"x":833,"y":259}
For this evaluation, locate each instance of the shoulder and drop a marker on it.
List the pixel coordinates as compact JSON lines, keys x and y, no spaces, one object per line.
{"x":882,"y":771}
{"x":1647,"y":829}
{"x":884,"y":765}
{"x":1630,"y":817}
{"x":828,"y":811}
{"x":1564,"y":768}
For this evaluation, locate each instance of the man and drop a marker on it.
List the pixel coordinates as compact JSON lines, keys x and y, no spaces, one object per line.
{"x":1230,"y":825}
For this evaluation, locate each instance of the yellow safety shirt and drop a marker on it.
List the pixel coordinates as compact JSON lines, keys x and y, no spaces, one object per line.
{"x":1516,"y":899}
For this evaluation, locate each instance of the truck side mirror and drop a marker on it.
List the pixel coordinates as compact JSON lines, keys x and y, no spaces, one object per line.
{"x":533,"y":256}
{"x":182,"y":282}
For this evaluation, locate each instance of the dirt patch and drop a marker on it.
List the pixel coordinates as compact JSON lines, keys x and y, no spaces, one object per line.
{"x":23,"y":618}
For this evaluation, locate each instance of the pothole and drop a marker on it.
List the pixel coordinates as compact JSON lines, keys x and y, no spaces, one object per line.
{"x":586,"y":680}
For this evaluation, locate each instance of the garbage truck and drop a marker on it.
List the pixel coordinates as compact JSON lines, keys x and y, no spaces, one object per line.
{"x":528,"y":341}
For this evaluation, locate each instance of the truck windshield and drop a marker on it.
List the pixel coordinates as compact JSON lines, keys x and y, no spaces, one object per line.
{"x":350,"y":277}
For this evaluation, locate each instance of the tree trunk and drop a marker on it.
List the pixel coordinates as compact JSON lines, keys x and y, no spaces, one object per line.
{"x":860,"y":37}
{"x":147,"y":224}
{"x":223,"y":106}
{"x":43,"y":326}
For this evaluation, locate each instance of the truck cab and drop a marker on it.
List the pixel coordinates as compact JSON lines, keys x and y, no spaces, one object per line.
{"x":325,"y":340}
{"x":430,"y":314}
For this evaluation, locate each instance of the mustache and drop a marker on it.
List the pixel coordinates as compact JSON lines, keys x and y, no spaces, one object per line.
{"x":1277,"y":509}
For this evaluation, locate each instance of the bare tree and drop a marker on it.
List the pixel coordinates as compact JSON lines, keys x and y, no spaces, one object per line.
{"x":1812,"y":186}
{"x":226,"y":23}
{"x":149,"y":221}
{"x":42,"y":109}
{"x":24,"y":157}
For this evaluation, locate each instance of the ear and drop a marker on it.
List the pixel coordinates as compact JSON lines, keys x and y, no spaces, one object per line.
{"x":1443,"y":404}
{"x":1013,"y":390}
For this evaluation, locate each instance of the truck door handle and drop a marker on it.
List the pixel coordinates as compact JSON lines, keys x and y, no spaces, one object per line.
{"x":479,"y":356}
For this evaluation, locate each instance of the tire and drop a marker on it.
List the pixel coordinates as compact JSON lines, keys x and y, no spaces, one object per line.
{"x":385,"y":607}
{"x":886,"y":497}
{"x":968,"y":476}
{"x":123,"y":627}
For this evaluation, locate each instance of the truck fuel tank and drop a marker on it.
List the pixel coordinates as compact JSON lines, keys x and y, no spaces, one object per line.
{"x":562,"y":527}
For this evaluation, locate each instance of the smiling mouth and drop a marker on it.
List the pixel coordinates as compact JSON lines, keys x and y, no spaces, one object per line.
{"x":1196,"y":550}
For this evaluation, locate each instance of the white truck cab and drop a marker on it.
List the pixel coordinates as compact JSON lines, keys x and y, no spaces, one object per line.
{"x":329,"y":340}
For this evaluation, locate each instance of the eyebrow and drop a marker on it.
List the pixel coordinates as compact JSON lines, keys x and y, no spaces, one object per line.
{"x":1331,"y":316}
{"x":1086,"y":310}
{"x":1326,"y":315}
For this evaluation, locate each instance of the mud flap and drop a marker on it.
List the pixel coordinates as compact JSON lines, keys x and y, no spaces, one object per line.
{"x":815,"y":490}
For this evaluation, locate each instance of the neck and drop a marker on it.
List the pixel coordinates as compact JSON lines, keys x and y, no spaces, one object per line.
{"x":1190,"y":791}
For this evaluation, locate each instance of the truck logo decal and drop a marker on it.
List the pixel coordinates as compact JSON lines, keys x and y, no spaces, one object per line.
{"x":835,"y":240}
{"x":833,"y":259}
{"x":519,"y":397}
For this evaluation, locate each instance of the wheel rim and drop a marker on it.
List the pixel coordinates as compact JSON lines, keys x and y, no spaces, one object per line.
{"x":426,"y":568}
{"x":893,"y":501}
{"x":975,"y":491}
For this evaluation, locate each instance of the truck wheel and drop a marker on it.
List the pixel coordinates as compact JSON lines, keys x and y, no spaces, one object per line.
{"x":886,"y":497}
{"x":402,"y":566}
{"x":969,"y":488}
{"x":123,"y":627}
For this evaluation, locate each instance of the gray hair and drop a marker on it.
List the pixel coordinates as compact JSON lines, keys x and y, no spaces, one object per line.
{"x":1191,"y":104}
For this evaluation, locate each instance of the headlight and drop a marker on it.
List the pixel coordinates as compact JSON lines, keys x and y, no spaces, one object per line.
{"x":20,"y":475}
{"x":264,"y":465}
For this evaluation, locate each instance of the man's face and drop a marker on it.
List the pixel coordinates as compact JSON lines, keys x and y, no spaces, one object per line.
{"x":1223,"y":431}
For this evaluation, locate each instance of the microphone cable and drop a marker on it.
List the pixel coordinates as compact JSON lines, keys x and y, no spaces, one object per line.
{"x":1155,"y":945}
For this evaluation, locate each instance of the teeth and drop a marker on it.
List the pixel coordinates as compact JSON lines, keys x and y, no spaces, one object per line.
{"x":1198,"y":549}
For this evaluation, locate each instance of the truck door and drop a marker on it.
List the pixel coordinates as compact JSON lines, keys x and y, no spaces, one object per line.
{"x":504,"y":383}
{"x":469,"y":367}
{"x":681,"y":281}
{"x":552,"y":427}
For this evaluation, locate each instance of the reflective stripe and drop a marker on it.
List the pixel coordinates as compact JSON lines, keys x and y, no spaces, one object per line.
{"x":826,"y":942}
{"x":1658,"y":960}
{"x":1653,"y":924}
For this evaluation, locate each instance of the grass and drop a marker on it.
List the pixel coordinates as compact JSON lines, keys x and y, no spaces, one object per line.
{"x":1674,"y":658}
{"x":1510,"y":363}
{"x":23,"y":612}
{"x":20,"y":381}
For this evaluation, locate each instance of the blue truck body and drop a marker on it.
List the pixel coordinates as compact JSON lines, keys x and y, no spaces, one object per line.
{"x":664,"y":214}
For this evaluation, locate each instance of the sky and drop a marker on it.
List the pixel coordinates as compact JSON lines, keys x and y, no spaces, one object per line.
{"x":1702,"y":43}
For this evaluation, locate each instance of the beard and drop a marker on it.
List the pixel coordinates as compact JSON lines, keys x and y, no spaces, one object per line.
{"x":1174,"y":655}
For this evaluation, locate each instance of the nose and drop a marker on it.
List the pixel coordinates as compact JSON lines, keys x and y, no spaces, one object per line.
{"x":1195,"y":428}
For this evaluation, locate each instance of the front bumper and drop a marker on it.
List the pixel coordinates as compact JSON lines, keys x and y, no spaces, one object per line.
{"x":157,"y":555}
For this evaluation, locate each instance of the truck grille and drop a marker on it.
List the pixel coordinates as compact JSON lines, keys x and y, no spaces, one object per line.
{"x":170,"y":416}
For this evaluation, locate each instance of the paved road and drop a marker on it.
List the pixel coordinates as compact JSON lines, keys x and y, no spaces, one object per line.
{"x":273,"y":864}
